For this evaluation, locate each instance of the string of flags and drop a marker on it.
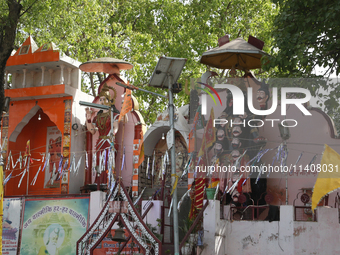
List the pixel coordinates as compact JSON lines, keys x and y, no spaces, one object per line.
{"x":107,"y":158}
{"x":25,"y":161}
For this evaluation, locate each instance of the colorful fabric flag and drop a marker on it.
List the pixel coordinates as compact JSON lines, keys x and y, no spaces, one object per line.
{"x":197,"y":197}
{"x":327,"y":181}
{"x":198,"y":120}
{"x":209,"y":134}
{"x":127,"y":104}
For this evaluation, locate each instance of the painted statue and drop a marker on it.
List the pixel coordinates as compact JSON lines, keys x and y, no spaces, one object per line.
{"x":101,"y":123}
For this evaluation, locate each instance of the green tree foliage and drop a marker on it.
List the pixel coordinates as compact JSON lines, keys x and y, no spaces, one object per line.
{"x":142,"y":31}
{"x":306,"y":36}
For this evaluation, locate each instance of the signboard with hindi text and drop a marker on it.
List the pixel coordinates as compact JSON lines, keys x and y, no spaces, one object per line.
{"x":53,"y":226}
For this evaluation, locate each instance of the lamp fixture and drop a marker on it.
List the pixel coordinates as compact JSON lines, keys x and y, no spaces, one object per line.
{"x":39,"y":117}
{"x":163,"y":137}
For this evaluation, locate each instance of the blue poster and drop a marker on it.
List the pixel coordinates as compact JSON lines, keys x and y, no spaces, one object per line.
{"x":10,"y":225}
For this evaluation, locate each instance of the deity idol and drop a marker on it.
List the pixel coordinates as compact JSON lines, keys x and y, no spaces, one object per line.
{"x":102,"y":123}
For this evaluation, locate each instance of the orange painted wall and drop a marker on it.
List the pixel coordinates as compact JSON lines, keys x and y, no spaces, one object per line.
{"x":52,"y":114}
{"x":38,"y":57}
{"x":35,"y":131}
{"x":53,"y":107}
{"x":35,"y":91}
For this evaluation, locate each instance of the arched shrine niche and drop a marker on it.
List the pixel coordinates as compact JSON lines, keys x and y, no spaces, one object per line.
{"x":157,"y":169}
{"x":44,"y":138}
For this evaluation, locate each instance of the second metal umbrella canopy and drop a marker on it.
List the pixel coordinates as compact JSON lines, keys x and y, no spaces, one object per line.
{"x":237,"y":54}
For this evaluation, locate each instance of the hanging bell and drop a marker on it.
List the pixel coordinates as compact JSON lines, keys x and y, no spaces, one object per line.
{"x":119,"y":235}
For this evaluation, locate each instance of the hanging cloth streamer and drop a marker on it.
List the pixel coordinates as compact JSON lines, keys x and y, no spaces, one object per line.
{"x":94,"y":161}
{"x":76,"y":167}
{"x":238,"y":160}
{"x":26,"y":170}
{"x":73,"y":158}
{"x":153,"y":164}
{"x":163,"y":166}
{"x":198,"y":162}
{"x":54,"y":174}
{"x":7,"y":178}
{"x":226,"y":187}
{"x":284,"y":155}
{"x":60,"y":164}
{"x":113,"y":159}
{"x":47,"y":161}
{"x":86,"y":160}
{"x":139,"y":197}
{"x":170,"y":208}
{"x":14,"y":165}
{"x":3,"y":144}
{"x":217,"y":190}
{"x":312,"y":161}
{"x":9,"y":160}
{"x":20,"y":160}
{"x":43,"y":157}
{"x":234,"y":185}
{"x":123,"y":161}
{"x":101,"y":162}
{"x":262,"y":153}
{"x":186,"y":167}
{"x":22,"y":176}
{"x":109,"y":165}
{"x":182,"y":198}
{"x":259,"y":174}
{"x":147,"y":167}
{"x":297,"y":161}
{"x":35,"y":177}
{"x":175,"y":184}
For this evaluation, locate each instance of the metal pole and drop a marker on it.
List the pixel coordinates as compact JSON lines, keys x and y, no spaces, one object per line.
{"x":285,"y":146}
{"x":28,"y":175}
{"x":173,"y":168}
{"x":131,"y":87}
{"x":286,"y":188}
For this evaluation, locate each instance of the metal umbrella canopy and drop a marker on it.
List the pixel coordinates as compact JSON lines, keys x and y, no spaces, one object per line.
{"x":237,"y":54}
{"x":106,"y":65}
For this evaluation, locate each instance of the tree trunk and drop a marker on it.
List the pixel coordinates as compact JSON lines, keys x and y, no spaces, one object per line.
{"x":92,"y":85}
{"x":7,"y":38}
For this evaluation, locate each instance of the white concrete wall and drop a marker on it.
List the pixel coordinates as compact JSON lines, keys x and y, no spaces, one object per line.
{"x":154,"y":214}
{"x":97,"y":200}
{"x":78,"y":138}
{"x":35,"y":80}
{"x":278,"y":237}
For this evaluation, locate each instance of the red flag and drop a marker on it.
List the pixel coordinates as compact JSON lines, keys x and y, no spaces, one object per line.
{"x":127,"y":104}
{"x":197,"y":197}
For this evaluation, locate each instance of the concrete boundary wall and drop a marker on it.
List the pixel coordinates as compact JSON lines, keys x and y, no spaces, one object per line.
{"x":286,"y":236}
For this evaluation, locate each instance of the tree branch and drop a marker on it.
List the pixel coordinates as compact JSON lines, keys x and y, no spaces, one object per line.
{"x":25,"y":11}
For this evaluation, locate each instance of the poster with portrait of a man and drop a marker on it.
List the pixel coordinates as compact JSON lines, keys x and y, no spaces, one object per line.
{"x":10,"y":225}
{"x":53,"y":147}
{"x":53,"y":226}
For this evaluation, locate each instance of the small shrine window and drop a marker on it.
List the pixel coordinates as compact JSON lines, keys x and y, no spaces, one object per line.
{"x":45,"y":47}
{"x":24,"y":49}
